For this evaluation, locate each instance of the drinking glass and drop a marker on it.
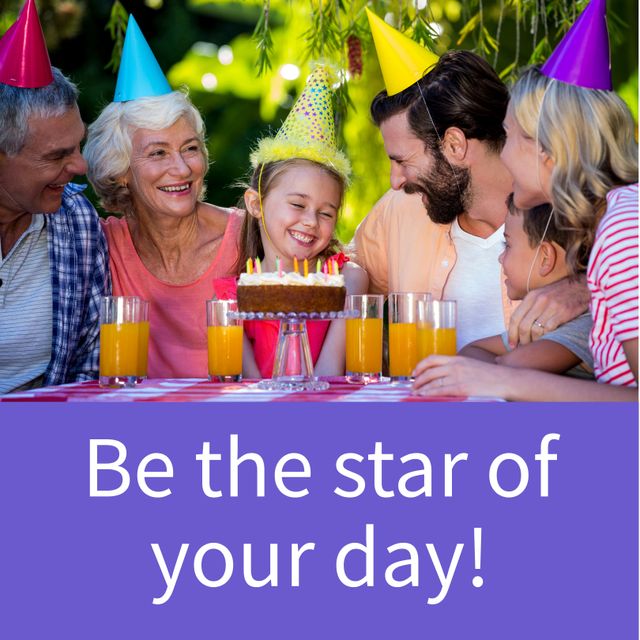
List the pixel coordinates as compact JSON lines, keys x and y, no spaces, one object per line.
{"x":224,"y":336}
{"x":403,"y":334}
{"x":124,"y":340}
{"x":437,"y":328}
{"x":364,"y":339}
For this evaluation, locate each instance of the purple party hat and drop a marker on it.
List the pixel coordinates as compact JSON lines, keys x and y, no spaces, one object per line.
{"x":582,"y":58}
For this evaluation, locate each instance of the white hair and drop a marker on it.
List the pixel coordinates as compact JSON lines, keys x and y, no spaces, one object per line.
{"x":108,"y":148}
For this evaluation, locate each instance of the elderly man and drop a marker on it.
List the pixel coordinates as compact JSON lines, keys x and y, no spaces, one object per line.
{"x":443,"y":134}
{"x":53,"y":256}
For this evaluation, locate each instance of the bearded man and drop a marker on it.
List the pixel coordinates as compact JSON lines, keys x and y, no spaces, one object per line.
{"x":443,"y":135}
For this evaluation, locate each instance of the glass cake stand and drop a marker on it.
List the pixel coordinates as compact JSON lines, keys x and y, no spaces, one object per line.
{"x":293,"y":364}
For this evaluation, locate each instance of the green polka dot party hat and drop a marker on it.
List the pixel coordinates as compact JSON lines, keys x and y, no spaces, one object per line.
{"x":308,"y":132}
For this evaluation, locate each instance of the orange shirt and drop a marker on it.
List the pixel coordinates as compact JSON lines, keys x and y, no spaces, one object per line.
{"x":403,"y":250}
{"x":177,"y":315}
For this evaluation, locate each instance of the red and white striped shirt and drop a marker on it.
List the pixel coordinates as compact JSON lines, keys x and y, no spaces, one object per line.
{"x":612,"y":277}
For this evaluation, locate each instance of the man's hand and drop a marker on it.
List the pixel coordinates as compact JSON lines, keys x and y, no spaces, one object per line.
{"x":544,"y":310}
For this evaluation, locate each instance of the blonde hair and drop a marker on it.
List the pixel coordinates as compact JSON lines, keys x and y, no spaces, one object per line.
{"x":272,"y":172}
{"x":108,"y":148}
{"x":590,"y":136}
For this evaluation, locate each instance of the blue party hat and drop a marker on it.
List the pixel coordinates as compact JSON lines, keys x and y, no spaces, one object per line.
{"x":140,"y":75}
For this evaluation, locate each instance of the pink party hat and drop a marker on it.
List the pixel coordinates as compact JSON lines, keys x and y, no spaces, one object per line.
{"x":583,"y":58}
{"x":24,"y":61}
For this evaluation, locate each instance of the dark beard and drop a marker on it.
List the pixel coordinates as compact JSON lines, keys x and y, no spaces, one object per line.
{"x":447,"y":190}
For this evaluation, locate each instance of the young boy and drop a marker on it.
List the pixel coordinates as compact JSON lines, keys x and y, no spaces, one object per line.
{"x":531,"y":259}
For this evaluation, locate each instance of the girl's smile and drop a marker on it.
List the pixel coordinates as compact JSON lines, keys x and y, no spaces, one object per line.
{"x":303,"y":238}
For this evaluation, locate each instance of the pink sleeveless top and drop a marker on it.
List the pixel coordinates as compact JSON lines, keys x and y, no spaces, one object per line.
{"x":177,"y":316}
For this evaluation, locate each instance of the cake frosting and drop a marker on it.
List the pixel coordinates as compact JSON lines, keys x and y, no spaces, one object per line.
{"x":291,"y":279}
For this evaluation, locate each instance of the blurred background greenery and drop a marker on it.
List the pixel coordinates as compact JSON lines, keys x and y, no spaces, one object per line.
{"x":244,"y":62}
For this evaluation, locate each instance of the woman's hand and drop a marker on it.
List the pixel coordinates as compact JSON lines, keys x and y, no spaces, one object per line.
{"x":459,"y":376}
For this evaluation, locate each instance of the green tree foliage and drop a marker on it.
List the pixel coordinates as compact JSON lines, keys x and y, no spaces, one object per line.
{"x":245,"y":61}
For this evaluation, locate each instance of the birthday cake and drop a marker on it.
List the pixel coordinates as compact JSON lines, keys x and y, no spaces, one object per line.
{"x":291,"y":292}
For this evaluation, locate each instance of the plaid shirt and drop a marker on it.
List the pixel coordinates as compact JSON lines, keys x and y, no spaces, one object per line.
{"x":79,"y":278}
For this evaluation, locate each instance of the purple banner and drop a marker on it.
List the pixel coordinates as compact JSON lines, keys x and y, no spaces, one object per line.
{"x":319,"y":521}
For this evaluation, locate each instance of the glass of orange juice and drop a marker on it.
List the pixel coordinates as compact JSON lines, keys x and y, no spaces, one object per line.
{"x":437,"y":328}
{"x":403,"y":333}
{"x":364,"y":339}
{"x":124,"y":340}
{"x":224,"y":336}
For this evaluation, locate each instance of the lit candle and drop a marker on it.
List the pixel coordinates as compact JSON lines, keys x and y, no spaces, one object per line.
{"x":249,"y":266}
{"x":295,"y":264}
{"x":258,"y":266}
{"x":324,"y":268}
{"x":318,"y":270}
{"x":306,"y":267}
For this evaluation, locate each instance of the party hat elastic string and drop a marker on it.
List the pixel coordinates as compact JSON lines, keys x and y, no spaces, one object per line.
{"x":535,"y":257}
{"x":539,"y":148}
{"x":264,"y":223}
{"x":537,"y":142}
{"x":433,"y":124}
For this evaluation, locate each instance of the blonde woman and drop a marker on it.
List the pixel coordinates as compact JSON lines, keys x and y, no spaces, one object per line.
{"x":574,"y":148}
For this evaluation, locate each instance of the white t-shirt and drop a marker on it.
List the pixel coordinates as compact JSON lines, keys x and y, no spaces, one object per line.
{"x":474,"y":283}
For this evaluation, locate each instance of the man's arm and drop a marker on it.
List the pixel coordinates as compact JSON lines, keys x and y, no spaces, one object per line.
{"x":369,"y":247}
{"x":543,"y":310}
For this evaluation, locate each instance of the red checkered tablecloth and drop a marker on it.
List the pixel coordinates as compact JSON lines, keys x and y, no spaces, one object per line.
{"x":197,"y":390}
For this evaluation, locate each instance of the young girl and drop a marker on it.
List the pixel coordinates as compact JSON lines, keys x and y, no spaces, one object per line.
{"x":292,"y":202}
{"x":571,"y":142}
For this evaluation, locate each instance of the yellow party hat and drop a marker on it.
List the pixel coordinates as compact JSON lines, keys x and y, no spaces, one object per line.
{"x":308,"y":131}
{"x":402,"y":60}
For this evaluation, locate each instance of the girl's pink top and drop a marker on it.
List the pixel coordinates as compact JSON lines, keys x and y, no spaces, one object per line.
{"x":263,"y":334}
{"x":177,"y":315}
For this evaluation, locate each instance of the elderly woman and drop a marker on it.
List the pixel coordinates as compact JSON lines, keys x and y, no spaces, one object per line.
{"x":147,"y":160}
